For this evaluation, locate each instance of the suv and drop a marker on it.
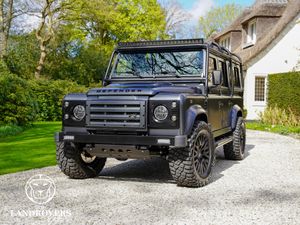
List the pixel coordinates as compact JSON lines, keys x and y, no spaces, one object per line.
{"x":176,"y":99}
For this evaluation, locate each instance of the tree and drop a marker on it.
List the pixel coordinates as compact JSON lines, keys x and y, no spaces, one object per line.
{"x":44,"y":33}
{"x":175,"y":17}
{"x":110,"y":21}
{"x":6,"y":16}
{"x":218,"y":18}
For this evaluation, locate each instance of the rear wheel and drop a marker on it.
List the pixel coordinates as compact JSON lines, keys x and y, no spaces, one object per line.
{"x":191,"y":166}
{"x":76,"y":163}
{"x":235,"y":150}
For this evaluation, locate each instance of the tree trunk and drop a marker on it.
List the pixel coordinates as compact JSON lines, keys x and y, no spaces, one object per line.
{"x":2,"y":30}
{"x":5,"y":24}
{"x":44,"y":34}
{"x":41,"y":62}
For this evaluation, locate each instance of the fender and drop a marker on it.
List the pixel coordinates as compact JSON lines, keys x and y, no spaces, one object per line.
{"x":235,"y":112}
{"x":191,"y":115}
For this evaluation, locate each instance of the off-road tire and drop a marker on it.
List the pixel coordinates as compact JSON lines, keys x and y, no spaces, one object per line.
{"x":182,"y":161}
{"x":68,"y":156}
{"x":235,"y":150}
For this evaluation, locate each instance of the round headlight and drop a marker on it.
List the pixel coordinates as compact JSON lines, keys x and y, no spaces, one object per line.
{"x":161,"y":113}
{"x":79,"y":112}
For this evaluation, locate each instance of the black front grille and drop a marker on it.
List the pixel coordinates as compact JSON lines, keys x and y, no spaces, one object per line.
{"x":116,"y":114}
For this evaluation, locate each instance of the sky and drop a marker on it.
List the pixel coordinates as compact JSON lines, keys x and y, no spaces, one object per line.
{"x":188,"y":4}
{"x":197,"y":8}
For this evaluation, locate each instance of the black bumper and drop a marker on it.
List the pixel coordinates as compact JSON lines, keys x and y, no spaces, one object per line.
{"x":174,"y":141}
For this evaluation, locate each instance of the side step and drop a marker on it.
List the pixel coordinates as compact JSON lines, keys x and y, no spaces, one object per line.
{"x":224,"y":141}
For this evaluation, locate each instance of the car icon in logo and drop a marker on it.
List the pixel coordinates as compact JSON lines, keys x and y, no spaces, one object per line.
{"x":40,"y":189}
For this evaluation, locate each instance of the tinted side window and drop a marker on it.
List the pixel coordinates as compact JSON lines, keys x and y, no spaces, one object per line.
{"x":222,"y":67}
{"x":212,"y":65}
{"x":237,"y":81}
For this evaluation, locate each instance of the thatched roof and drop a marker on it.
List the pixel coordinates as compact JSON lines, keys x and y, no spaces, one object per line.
{"x":264,"y":8}
{"x":290,"y":12}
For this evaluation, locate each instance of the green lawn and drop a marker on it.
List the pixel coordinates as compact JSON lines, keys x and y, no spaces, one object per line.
{"x":285,"y":130}
{"x":33,"y":148}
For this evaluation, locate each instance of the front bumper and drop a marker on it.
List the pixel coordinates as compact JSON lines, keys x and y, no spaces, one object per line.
{"x":173,"y":141}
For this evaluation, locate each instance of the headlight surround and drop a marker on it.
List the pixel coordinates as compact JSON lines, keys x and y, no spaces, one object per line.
{"x":79,"y":112}
{"x":160,"y":113}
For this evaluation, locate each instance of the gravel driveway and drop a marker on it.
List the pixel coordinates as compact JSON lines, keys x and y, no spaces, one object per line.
{"x":262,"y":189}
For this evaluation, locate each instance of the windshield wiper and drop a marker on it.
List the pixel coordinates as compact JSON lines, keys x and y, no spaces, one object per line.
{"x":134,"y":73}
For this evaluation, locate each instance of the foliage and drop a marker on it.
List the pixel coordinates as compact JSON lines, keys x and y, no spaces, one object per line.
{"x":76,"y":61}
{"x":284,"y":91}
{"x":278,"y":116}
{"x":85,"y":34}
{"x":17,"y":104}
{"x":107,"y":22}
{"x":218,"y":18}
{"x":22,"y":101}
{"x":33,"y":148}
{"x":23,"y":53}
{"x":8,"y":130}
{"x":49,"y":95}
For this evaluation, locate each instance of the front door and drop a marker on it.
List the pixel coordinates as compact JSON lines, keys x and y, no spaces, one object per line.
{"x":226,"y":101}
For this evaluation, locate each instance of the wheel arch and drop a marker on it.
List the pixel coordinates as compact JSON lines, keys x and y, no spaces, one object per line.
{"x":235,"y":113}
{"x":194,"y":113}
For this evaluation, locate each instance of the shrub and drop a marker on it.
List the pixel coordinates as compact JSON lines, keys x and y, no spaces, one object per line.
{"x":8,"y":130}
{"x":17,"y":103}
{"x":284,"y":91}
{"x":277,"y":116}
{"x":49,"y":95}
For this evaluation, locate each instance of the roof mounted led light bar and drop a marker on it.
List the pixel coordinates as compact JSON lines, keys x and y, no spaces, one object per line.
{"x":161,"y":43}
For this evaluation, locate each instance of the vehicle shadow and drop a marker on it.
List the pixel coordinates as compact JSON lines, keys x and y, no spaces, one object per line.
{"x":156,"y":170}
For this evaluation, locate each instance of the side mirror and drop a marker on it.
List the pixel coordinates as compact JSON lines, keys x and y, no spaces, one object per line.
{"x":217,"y":77}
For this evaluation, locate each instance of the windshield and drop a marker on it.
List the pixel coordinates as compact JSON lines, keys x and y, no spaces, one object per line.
{"x":158,"y":64}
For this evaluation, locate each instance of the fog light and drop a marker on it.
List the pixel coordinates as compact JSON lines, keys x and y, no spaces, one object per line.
{"x":66,"y":116}
{"x":173,"y":118}
{"x":68,"y":137}
{"x":164,"y":141}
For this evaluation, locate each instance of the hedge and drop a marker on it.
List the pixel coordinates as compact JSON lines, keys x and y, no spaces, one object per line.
{"x":24,"y":101}
{"x":49,"y":94}
{"x":17,"y":102}
{"x":284,"y":91}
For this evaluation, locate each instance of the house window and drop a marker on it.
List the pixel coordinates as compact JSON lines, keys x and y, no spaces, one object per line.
{"x":260,"y":87}
{"x":225,"y":42}
{"x":251,"y":33}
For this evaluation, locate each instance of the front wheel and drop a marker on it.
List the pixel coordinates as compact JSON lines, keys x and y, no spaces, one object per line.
{"x":191,"y":166}
{"x":76,"y":163}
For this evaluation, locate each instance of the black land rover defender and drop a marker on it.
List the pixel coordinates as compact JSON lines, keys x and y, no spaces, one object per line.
{"x":177,"y":99}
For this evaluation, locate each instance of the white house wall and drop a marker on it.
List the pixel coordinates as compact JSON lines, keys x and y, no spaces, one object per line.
{"x":281,"y":56}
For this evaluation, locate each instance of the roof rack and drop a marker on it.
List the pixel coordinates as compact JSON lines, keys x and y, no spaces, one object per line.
{"x":224,"y":50}
{"x":158,"y":43}
{"x":161,"y":42}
